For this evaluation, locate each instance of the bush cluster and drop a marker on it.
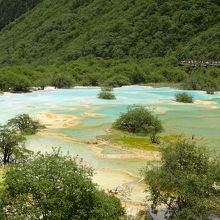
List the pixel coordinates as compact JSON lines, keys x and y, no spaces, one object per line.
{"x":139,"y":120}
{"x":25,"y":124}
{"x":184,"y":97}
{"x":106,"y":95}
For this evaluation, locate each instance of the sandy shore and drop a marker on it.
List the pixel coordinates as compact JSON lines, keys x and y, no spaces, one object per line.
{"x":56,"y":120}
{"x":31,"y":106}
{"x":93,"y":115}
{"x":201,"y":102}
{"x":63,"y":136}
{"x":131,"y":188}
{"x":214,"y":107}
{"x":142,"y":153}
{"x":132,"y":153}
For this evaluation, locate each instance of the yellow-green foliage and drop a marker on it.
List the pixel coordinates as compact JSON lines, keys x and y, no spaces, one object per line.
{"x":2,"y":173}
{"x":170,"y":138}
{"x":138,"y":142}
{"x":129,"y":140}
{"x":1,"y":176}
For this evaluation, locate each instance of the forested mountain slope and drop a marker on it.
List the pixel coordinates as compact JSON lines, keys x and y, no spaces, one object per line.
{"x":11,"y":9}
{"x":204,"y":46}
{"x":63,"y":30}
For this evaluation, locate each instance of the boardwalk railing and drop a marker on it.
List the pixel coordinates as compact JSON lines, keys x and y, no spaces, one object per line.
{"x":199,"y":63}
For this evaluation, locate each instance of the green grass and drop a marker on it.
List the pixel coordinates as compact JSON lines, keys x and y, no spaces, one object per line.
{"x":142,"y":143}
{"x":2,"y":173}
{"x":129,"y":140}
{"x":138,"y":141}
{"x":170,"y":138}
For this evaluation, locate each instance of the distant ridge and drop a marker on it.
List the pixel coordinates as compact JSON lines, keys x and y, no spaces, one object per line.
{"x":12,"y":9}
{"x":57,"y":31}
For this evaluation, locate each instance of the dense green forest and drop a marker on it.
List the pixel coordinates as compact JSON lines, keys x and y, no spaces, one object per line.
{"x":90,"y":71}
{"x":64,"y":30}
{"x":65,"y":43}
{"x":108,"y":43}
{"x":11,"y":9}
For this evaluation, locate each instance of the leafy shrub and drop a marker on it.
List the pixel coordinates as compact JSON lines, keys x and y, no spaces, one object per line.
{"x":18,"y":83}
{"x":200,"y":78}
{"x":62,"y":81}
{"x":117,"y":81}
{"x":139,"y":120}
{"x":25,"y":124}
{"x":210,"y":91}
{"x":184,"y":97}
{"x":106,"y":95}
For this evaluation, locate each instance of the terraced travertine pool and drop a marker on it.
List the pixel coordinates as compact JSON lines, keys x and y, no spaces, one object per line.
{"x":200,"y":120}
{"x":93,"y":116}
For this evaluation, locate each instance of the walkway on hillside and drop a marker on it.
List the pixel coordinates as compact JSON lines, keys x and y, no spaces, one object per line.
{"x":199,"y":63}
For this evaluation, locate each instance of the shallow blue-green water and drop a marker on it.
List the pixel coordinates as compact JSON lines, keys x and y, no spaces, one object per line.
{"x":202,"y":121}
{"x":46,"y":144}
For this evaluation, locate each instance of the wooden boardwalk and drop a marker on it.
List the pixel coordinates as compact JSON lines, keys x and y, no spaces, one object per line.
{"x":199,"y":63}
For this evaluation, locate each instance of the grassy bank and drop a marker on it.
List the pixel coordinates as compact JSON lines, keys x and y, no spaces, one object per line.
{"x":134,"y":141}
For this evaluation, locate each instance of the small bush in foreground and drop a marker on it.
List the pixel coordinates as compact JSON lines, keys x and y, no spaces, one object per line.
{"x":184,"y":97}
{"x":54,"y":187}
{"x":106,"y":95}
{"x":139,"y":120}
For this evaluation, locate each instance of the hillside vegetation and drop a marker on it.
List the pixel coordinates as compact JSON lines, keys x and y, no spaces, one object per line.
{"x":11,"y":9}
{"x":88,"y":71}
{"x":64,"y":30}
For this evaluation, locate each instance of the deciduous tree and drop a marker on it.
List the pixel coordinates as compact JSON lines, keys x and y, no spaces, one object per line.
{"x":11,"y":145}
{"x":54,"y":187}
{"x":186,"y":183}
